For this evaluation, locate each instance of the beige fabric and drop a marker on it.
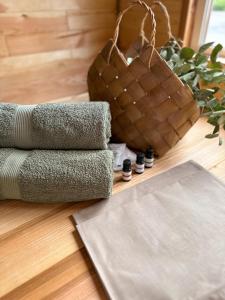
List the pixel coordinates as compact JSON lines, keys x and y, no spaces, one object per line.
{"x":161,"y":241}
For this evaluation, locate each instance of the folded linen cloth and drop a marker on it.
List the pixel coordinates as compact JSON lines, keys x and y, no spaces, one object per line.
{"x":55,"y":126}
{"x":55,"y":175}
{"x":163,"y":239}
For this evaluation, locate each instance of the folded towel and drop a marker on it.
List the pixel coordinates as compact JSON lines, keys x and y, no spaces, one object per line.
{"x":55,"y":126}
{"x":54,"y":175}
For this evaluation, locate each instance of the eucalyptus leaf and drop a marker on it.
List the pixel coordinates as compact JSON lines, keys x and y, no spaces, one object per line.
{"x":216,"y":129}
{"x":215,"y":53}
{"x":200,"y":59}
{"x":187,"y":76}
{"x":187,"y":53}
{"x":211,"y":135}
{"x":205,"y":47}
{"x":185,"y":68}
{"x":201,"y":103}
{"x":196,"y":70}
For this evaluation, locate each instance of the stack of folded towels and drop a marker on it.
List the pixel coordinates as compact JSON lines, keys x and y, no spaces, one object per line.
{"x":55,"y":152}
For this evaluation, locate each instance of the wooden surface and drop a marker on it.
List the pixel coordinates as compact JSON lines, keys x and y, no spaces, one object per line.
{"x":130,"y":26}
{"x":41,"y":255}
{"x":46,"y":46}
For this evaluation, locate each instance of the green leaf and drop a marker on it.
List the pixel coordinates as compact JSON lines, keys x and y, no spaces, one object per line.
{"x":204,"y":47}
{"x":170,"y":52}
{"x":185,"y":68}
{"x":211,"y":135}
{"x":187,"y":53}
{"x":200,"y":59}
{"x":219,"y":79}
{"x":163,"y":53}
{"x":201,"y":103}
{"x":217,"y":65}
{"x":215,"y":53}
{"x":216,"y":129}
{"x":188,"y":76}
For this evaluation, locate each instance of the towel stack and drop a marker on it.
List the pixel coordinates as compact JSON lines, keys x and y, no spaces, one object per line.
{"x":72,"y":162}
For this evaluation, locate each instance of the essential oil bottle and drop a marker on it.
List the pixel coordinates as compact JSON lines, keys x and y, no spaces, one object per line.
{"x":149,"y":157}
{"x":140,"y":163}
{"x":127,"y":170}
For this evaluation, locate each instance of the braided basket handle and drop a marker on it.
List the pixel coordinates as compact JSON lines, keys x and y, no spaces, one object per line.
{"x":166,"y":15}
{"x":153,"y":22}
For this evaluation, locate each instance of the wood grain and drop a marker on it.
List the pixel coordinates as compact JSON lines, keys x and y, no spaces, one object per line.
{"x":41,"y":255}
{"x":130,"y":26}
{"x":39,"y":22}
{"x":47,"y":46}
{"x":3,"y":48}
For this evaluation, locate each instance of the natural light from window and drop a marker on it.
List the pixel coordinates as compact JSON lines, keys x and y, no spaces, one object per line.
{"x":216,"y":28}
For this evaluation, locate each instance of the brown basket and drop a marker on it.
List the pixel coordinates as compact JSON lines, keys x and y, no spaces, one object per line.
{"x":149,"y":103}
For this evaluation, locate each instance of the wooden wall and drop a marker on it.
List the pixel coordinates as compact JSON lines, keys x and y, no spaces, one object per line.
{"x":130,"y":25}
{"x":46,"y":46}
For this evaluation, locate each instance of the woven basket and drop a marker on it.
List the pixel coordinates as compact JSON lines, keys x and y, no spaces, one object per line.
{"x":149,"y":103}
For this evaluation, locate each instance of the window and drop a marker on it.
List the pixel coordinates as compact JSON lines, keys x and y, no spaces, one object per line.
{"x":208,"y":23}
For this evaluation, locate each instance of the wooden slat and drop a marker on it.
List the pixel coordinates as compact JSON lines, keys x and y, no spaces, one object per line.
{"x":48,"y":82}
{"x":25,"y":23}
{"x":93,"y":20}
{"x":219,"y":170}
{"x":27,"y":44}
{"x":3,"y":48}
{"x":17,"y":64}
{"x":72,"y":278}
{"x":14,"y":215}
{"x":49,"y":5}
{"x":130,"y":26}
{"x":52,"y":237}
{"x":38,"y":39}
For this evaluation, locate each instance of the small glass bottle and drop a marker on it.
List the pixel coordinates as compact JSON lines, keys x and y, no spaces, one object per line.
{"x":127,"y":170}
{"x":149,"y":158}
{"x":140,"y":163}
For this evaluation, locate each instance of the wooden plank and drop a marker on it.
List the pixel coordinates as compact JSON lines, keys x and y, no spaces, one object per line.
{"x":28,"y":44}
{"x":17,"y":64}
{"x":52,"y":239}
{"x":130,"y":26}
{"x":50,"y":81}
{"x":3,"y":47}
{"x":92,"y":20}
{"x":219,"y":170}
{"x":29,"y":247}
{"x":16,"y":215}
{"x":25,"y":23}
{"x":66,"y":279}
{"x":49,"y":5}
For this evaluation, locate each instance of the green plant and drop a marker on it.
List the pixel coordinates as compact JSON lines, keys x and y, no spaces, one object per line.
{"x":218,"y":5}
{"x":204,"y":75}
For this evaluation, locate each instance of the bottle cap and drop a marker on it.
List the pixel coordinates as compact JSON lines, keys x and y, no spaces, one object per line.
{"x":140,"y":158}
{"x":149,"y":152}
{"x":127,"y":165}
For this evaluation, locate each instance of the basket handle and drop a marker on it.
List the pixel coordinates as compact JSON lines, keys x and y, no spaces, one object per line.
{"x":153,"y":22}
{"x":166,"y":15}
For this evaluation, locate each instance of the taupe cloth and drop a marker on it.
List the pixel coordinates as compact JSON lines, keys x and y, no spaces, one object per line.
{"x":164,"y":239}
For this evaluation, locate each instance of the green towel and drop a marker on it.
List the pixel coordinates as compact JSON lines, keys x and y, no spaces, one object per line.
{"x":55,"y":175}
{"x":55,"y":126}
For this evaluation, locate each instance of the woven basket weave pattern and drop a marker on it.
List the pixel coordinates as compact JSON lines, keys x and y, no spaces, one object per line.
{"x":149,"y":105}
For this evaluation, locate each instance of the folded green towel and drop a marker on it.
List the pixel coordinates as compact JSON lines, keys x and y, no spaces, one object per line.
{"x":55,"y":175}
{"x":55,"y":126}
